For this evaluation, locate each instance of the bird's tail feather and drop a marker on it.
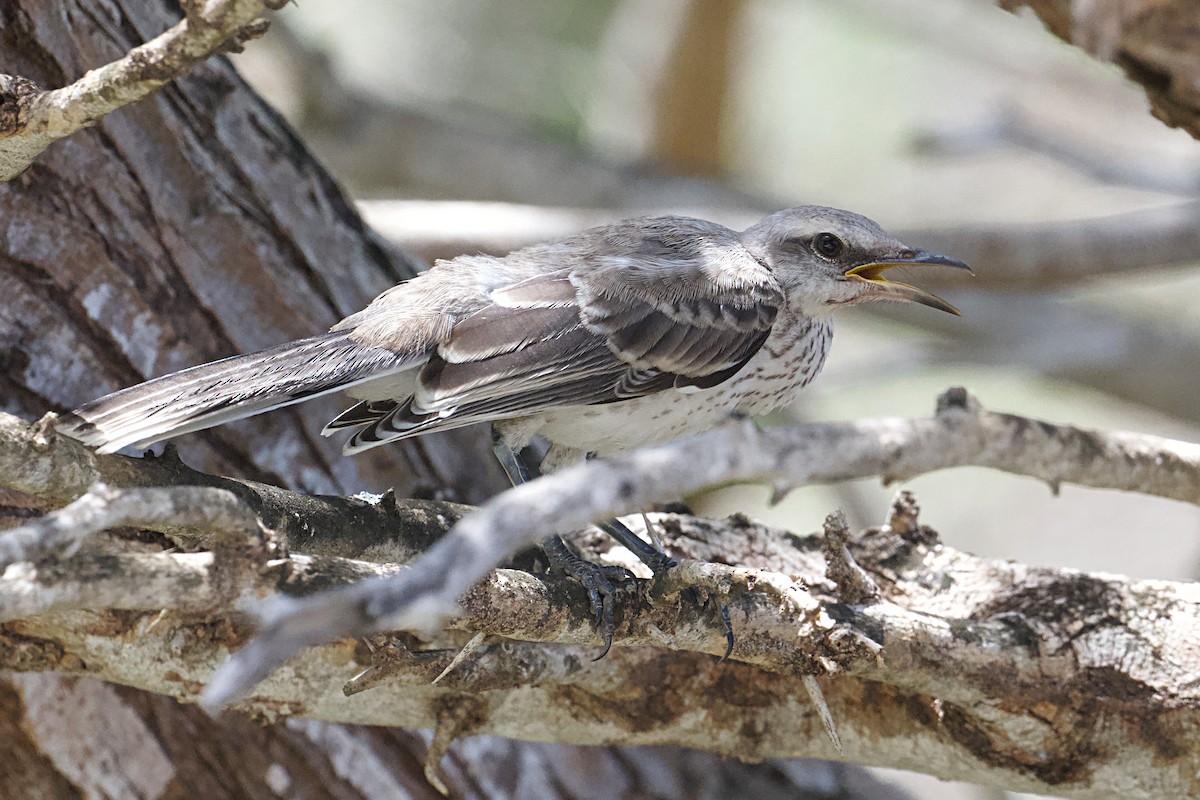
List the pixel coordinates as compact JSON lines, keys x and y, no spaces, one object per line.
{"x":229,"y":389}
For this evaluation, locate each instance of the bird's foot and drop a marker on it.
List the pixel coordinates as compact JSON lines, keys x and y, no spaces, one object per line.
{"x":598,"y":579}
{"x":659,"y":562}
{"x":727,"y":626}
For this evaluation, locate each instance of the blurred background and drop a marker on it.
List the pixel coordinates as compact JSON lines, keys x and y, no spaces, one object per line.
{"x":481,"y":125}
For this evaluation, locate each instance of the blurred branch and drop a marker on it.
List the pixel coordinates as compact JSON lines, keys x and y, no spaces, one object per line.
{"x":31,"y":118}
{"x":1139,"y":359}
{"x":1156,"y":42}
{"x":1018,"y":126}
{"x":1012,"y":257}
{"x":375,"y":146}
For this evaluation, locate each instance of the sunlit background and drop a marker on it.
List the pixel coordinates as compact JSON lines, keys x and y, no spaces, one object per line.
{"x":923,"y":115}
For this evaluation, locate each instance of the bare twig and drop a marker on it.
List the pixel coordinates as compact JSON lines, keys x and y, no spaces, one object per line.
{"x":960,"y":434}
{"x":31,"y":119}
{"x":467,"y":649}
{"x":211,"y":516}
{"x":58,"y":470}
{"x":822,"y":705}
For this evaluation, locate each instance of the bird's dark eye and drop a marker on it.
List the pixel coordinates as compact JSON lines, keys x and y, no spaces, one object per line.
{"x":828,"y":245}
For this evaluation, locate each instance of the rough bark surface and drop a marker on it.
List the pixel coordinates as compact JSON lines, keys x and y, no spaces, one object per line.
{"x":1156,"y":42}
{"x":186,"y":227}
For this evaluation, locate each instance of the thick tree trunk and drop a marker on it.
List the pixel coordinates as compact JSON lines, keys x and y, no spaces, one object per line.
{"x":181,"y":229}
{"x":187,"y":227}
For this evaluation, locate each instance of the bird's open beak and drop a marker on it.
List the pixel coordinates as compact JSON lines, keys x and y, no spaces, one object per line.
{"x":890,"y":290}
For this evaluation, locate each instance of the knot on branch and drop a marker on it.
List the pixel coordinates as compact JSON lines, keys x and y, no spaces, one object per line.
{"x":16,"y":94}
{"x":255,"y":29}
{"x":854,"y":586}
{"x":903,"y":520}
{"x":957,"y":399}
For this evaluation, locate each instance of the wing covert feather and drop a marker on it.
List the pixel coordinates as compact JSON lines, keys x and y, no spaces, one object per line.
{"x":618,"y":312}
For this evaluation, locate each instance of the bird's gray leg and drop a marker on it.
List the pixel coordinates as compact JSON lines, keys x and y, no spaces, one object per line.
{"x":658,"y":561}
{"x":596,"y":578}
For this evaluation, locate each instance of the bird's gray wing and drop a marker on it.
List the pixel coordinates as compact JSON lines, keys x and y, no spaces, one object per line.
{"x":682,"y":297}
{"x":642,"y":307}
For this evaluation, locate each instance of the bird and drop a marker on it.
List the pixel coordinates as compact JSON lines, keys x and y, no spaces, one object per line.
{"x":627,"y":334}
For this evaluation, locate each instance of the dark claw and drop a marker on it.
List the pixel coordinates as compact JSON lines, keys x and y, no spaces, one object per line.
{"x":597,"y":579}
{"x":605,"y":625}
{"x":727,"y":625}
{"x":659,"y":563}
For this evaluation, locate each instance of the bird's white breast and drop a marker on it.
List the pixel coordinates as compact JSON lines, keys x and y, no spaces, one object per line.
{"x":789,"y":359}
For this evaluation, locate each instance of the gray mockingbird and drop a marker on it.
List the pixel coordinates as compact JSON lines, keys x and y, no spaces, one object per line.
{"x":623,"y":335}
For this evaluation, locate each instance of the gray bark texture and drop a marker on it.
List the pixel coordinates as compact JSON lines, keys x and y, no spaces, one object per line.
{"x":189,"y":226}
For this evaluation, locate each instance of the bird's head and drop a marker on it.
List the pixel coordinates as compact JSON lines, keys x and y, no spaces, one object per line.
{"x":826,"y":258}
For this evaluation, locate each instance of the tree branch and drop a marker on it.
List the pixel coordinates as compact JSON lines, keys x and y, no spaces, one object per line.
{"x":1028,"y":678}
{"x":58,"y":470}
{"x":212,"y":517}
{"x":1033,"y":679}
{"x":960,"y":434}
{"x":31,"y":119}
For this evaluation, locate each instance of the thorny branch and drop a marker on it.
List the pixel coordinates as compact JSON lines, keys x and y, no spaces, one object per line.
{"x":31,"y":118}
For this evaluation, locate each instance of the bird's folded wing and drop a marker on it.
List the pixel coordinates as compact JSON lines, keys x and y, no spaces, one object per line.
{"x":604,"y":331}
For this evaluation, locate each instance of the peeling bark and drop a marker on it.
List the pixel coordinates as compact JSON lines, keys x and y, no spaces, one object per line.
{"x":1156,"y":42}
